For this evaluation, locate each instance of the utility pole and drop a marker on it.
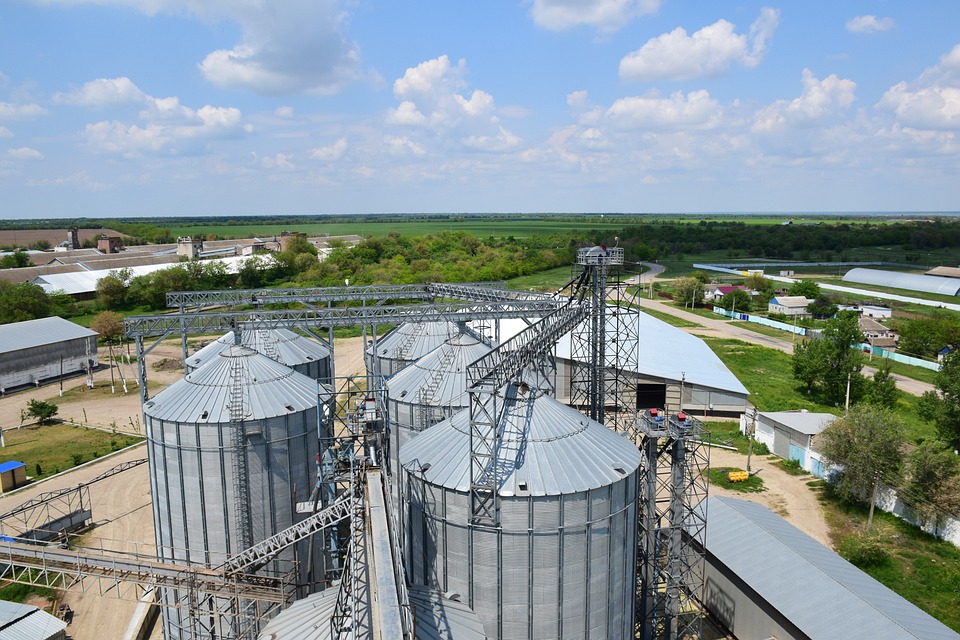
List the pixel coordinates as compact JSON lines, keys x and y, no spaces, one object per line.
{"x":846,"y":406}
{"x":873,"y":501}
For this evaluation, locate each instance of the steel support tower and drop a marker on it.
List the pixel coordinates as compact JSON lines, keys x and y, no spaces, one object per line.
{"x":603,"y":349}
{"x":672,"y":527}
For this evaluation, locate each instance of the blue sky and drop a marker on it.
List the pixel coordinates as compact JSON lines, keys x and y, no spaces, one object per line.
{"x":231,"y":107}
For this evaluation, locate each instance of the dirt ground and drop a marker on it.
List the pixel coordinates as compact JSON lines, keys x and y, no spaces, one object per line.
{"x":123,"y":517}
{"x":784,"y":494}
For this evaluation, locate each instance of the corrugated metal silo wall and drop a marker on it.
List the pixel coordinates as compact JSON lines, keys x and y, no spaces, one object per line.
{"x":194,"y":489}
{"x":560,"y":566}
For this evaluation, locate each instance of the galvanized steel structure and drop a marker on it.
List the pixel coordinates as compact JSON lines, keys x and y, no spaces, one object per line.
{"x":540,"y":548}
{"x":561,"y":560}
{"x":298,"y":352}
{"x":228,"y":446}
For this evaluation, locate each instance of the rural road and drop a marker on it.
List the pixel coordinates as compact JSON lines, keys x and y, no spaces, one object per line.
{"x":724,"y":328}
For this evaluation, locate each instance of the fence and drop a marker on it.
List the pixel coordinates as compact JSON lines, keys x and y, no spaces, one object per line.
{"x":879,"y":352}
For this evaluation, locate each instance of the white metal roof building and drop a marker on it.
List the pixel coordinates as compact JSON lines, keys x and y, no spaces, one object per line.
{"x":36,"y":350}
{"x":909,"y":281}
{"x":670,"y":362}
{"x":766,"y":578}
{"x":79,"y":283}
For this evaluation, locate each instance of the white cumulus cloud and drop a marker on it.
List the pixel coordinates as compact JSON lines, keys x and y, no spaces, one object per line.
{"x":103,"y":92}
{"x":80,"y":179}
{"x":5,"y":133}
{"x":869,"y":24}
{"x":710,"y":51}
{"x":330,"y":152}
{"x":605,"y":15}
{"x":696,"y":109}
{"x":24,"y":153}
{"x":434,"y":97}
{"x":933,"y":100}
{"x":819,"y":100}
{"x":183,"y":133}
{"x":17,"y":111}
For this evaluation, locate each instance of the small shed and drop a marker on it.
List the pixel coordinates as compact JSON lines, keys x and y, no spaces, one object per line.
{"x":790,"y":434}
{"x":13,"y":474}
{"x":789,"y":305}
{"x":21,"y":621}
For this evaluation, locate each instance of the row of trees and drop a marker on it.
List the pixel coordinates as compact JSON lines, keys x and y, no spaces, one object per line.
{"x":867,"y":443}
{"x":395,"y":259}
{"x":660,"y":239}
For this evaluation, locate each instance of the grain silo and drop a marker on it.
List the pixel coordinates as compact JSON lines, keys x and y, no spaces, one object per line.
{"x":562,"y":562}
{"x":406,"y":344}
{"x":298,"y":352}
{"x":228,"y":445}
{"x":432,"y":388}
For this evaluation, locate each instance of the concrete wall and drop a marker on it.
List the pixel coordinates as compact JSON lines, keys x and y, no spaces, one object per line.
{"x":27,"y":366}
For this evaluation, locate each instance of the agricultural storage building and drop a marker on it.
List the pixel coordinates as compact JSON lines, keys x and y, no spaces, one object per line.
{"x":908,"y":281}
{"x":674,"y":370}
{"x":767,"y":579}
{"x":13,"y":474}
{"x":36,"y":350}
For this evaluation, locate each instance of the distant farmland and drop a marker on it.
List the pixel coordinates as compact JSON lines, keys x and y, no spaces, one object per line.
{"x":518,"y":228}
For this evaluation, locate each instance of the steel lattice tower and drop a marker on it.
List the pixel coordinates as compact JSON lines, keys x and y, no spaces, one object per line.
{"x":672,"y":527}
{"x":603,"y":349}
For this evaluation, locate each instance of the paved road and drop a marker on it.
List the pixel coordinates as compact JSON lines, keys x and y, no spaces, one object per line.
{"x":710,"y":327}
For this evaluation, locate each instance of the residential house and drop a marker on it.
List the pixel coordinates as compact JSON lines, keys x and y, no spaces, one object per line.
{"x":789,"y":306}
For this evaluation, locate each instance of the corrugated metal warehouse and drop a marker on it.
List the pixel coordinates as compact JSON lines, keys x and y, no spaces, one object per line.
{"x":767,"y":579}
{"x":36,"y":350}
{"x":675,"y":370}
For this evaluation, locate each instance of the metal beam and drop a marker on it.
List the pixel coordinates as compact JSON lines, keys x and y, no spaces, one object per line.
{"x":220,"y":322}
{"x":263,"y":552}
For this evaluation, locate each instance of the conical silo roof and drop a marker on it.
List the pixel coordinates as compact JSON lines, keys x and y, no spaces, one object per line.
{"x":546,"y":448}
{"x":269,"y":389}
{"x":283,"y":345}
{"x":439,"y":377}
{"x":413,"y":340}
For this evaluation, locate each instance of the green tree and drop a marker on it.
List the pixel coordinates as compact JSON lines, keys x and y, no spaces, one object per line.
{"x":737,"y":300}
{"x":41,"y":410}
{"x":688,"y":291}
{"x":806,"y":288}
{"x":864,"y":448}
{"x":828,"y":367}
{"x":108,"y":324}
{"x":15,"y":260}
{"x":932,"y":482}
{"x":112,"y":289}
{"x":757,"y":282}
{"x":822,"y":307}
{"x":882,"y":388}
{"x":24,"y":301}
{"x":942,"y":406}
{"x":806,"y":362}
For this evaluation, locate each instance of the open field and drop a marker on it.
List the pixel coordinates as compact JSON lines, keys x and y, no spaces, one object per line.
{"x":58,"y":447}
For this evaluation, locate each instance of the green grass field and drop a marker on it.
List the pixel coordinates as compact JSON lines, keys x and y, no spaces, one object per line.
{"x":58,"y":447}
